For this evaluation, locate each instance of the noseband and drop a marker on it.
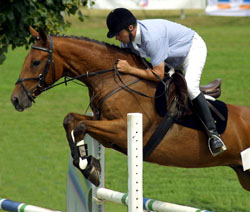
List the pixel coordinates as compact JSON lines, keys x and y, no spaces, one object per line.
{"x":41,"y":78}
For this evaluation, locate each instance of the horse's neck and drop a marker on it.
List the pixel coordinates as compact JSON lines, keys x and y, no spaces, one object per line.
{"x":82,"y":56}
{"x":79,"y":57}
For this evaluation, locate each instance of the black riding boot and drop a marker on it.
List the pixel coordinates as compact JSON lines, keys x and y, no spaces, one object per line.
{"x":215,"y":144}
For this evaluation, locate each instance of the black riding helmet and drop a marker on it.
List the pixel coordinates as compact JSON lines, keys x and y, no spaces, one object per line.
{"x":119,"y":19}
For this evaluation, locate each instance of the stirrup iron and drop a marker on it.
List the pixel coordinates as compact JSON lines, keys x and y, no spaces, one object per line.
{"x":222,"y":149}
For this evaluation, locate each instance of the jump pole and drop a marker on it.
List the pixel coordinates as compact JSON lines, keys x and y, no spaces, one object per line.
{"x":148,"y":204}
{"x":12,"y":206}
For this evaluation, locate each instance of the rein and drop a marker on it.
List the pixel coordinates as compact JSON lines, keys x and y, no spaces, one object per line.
{"x":65,"y":81}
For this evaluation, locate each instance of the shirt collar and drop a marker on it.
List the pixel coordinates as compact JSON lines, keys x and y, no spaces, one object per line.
{"x":137,"y":39}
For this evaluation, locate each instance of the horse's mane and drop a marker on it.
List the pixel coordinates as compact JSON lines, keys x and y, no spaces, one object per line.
{"x":127,"y":50}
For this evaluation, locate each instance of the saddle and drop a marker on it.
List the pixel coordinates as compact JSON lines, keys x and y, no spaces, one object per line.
{"x":212,"y":89}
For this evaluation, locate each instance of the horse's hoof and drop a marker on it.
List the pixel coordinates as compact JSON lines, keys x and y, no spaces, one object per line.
{"x":92,"y":171}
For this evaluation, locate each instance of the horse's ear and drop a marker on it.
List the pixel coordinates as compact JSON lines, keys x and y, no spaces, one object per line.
{"x":43,"y":36}
{"x":34,"y":33}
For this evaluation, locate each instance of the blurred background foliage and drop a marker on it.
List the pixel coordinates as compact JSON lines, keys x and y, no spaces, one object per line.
{"x":17,"y":16}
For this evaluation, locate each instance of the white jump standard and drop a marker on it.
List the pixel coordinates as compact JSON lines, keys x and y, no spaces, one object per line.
{"x":135,"y":158}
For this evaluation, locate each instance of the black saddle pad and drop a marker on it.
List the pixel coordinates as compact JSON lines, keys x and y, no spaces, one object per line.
{"x":192,"y":121}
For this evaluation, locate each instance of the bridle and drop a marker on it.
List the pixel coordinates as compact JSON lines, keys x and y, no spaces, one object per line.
{"x":41,"y":83}
{"x":41,"y":78}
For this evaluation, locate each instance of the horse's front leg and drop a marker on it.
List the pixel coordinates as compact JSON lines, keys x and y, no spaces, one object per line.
{"x":75,"y":132}
{"x":107,"y":132}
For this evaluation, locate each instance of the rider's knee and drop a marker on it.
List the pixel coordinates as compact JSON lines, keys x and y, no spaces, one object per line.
{"x":68,"y":120}
{"x":193,"y":92}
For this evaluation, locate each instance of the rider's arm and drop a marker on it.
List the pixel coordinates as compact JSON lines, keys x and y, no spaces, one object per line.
{"x":124,"y":67}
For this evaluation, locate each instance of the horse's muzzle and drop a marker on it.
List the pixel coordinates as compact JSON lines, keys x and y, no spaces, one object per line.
{"x":20,"y":103}
{"x":16,"y":104}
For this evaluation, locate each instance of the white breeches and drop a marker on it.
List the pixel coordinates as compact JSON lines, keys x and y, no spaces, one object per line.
{"x":193,"y":65}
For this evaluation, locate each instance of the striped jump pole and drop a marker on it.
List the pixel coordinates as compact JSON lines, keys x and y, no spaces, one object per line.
{"x":148,"y":204}
{"x":12,"y":206}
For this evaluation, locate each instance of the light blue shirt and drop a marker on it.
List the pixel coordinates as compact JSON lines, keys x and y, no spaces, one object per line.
{"x":162,"y":40}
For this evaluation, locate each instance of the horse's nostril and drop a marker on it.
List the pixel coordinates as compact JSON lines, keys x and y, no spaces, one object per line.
{"x":15,"y":101}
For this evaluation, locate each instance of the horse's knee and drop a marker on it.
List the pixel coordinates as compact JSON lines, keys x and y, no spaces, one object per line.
{"x":68,"y":121}
{"x":80,"y":130}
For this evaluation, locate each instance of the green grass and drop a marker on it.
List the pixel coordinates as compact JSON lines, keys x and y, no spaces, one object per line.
{"x":34,"y":151}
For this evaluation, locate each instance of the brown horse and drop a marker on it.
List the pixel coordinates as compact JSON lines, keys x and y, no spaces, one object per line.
{"x":85,"y":60}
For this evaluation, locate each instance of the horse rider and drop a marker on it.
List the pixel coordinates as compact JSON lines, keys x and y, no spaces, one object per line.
{"x":166,"y":42}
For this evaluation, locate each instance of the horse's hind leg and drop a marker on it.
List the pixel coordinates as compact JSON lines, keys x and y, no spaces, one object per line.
{"x":75,"y":132}
{"x":244,"y":176}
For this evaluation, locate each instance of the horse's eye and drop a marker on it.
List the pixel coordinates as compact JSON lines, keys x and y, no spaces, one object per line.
{"x":35,"y":63}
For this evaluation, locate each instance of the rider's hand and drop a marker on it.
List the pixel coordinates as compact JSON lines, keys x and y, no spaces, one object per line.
{"x":123,"y":66}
